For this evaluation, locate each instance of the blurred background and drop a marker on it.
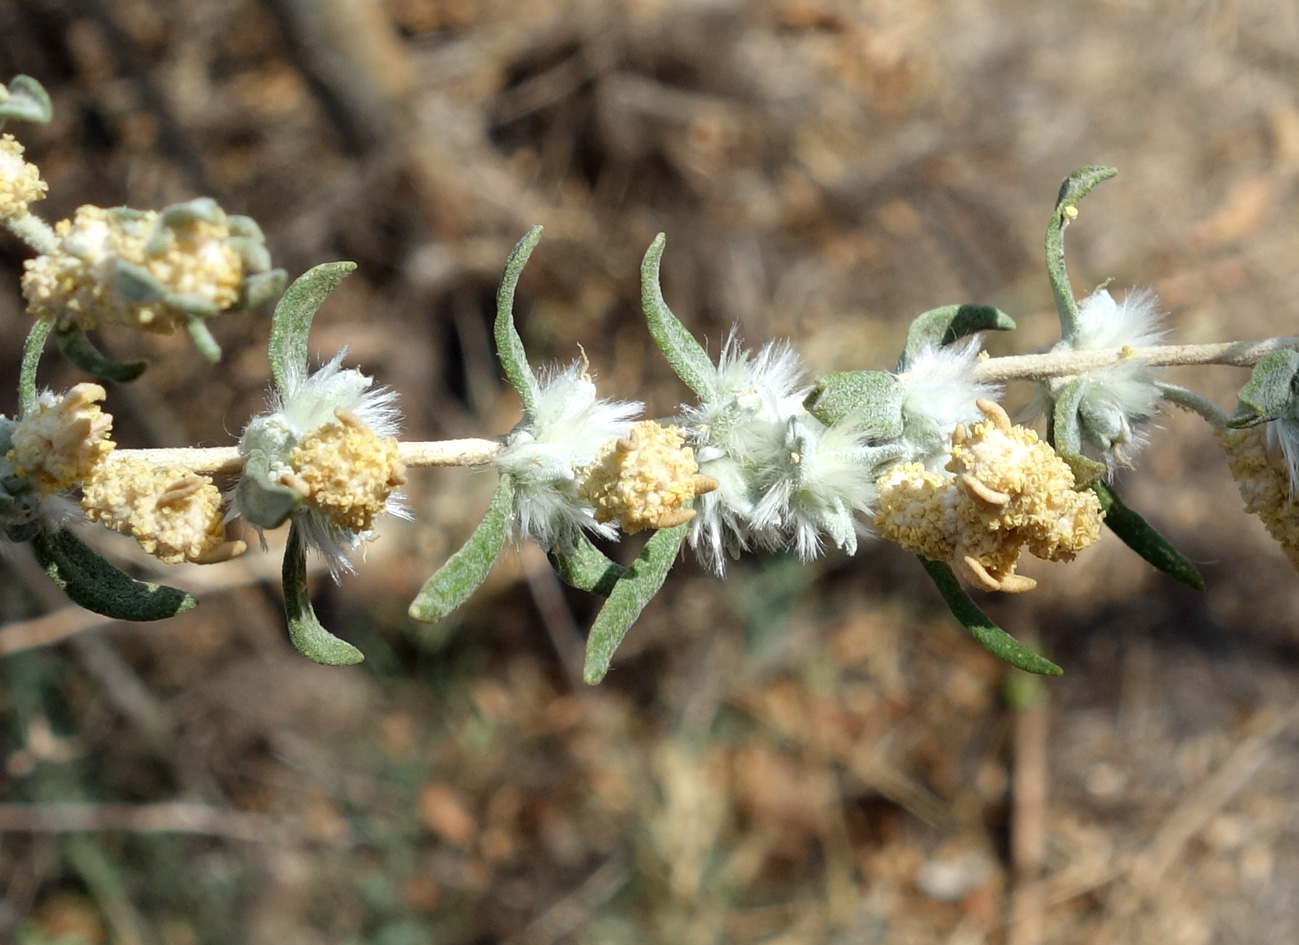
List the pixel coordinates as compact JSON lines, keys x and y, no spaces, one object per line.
{"x":799,"y":754}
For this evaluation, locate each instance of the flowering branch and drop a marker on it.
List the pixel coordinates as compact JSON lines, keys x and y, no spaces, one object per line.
{"x":764,"y":457}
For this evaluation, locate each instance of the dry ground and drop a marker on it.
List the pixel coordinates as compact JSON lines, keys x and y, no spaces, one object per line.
{"x":798,"y":754}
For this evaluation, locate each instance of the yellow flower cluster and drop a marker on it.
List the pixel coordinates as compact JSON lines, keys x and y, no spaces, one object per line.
{"x":1007,"y":490}
{"x":346,"y":472}
{"x":645,"y":479}
{"x":20,"y":182}
{"x":175,"y":514}
{"x":63,"y":438}
{"x":77,"y":284}
{"x":1264,"y":484}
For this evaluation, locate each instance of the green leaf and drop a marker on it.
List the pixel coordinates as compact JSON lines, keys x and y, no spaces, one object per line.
{"x":1065,"y":434}
{"x":1270,"y":391}
{"x":587,"y":568}
{"x":509,"y":346}
{"x":196,"y":328}
{"x":28,"y":101}
{"x":291,"y":322}
{"x":460,"y":576}
{"x":263,"y":501}
{"x":77,"y":348}
{"x":305,"y":632}
{"x":688,"y":358}
{"x":1142,"y":538}
{"x":873,"y":398}
{"x":1076,"y":186}
{"x":32,"y":349}
{"x":93,"y":583}
{"x":628,"y":599}
{"x":990,"y":636}
{"x":261,"y":287}
{"x":942,"y":326}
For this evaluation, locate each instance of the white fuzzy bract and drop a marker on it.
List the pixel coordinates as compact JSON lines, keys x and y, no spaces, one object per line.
{"x":1119,"y":399}
{"x":564,"y":433}
{"x":941,"y":393}
{"x":307,"y":403}
{"x":785,"y":479}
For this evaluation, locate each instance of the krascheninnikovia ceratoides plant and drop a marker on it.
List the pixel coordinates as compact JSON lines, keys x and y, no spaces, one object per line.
{"x":762,"y":458}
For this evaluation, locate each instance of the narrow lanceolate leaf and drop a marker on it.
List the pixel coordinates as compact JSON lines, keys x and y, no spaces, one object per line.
{"x":942,"y":326}
{"x":28,"y":101}
{"x":871,"y":399}
{"x":291,"y":322}
{"x":1065,"y":435}
{"x":683,"y":352}
{"x":509,"y":346}
{"x":77,"y":348}
{"x":587,"y":568}
{"x":1270,"y":391}
{"x":1076,"y":186}
{"x":32,"y":349}
{"x":628,"y":599}
{"x":990,"y":636}
{"x":1142,"y":538}
{"x":305,"y":631}
{"x":93,"y":583}
{"x":452,"y":583}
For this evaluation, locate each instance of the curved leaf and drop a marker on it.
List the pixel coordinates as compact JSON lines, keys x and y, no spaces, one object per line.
{"x":1141,"y":537}
{"x":1065,"y":434}
{"x":688,"y":358}
{"x":263,"y":501}
{"x":33,"y":347}
{"x":93,"y":583}
{"x":509,"y":346}
{"x":80,"y":350}
{"x":291,"y":322}
{"x":587,"y":568}
{"x":28,"y":101}
{"x":942,"y":326}
{"x":460,"y":576}
{"x":990,"y":636}
{"x":305,"y":632}
{"x":1076,"y":186}
{"x":628,"y":598}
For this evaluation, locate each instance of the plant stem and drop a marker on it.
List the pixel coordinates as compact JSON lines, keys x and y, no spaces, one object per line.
{"x":223,"y":460}
{"x":1037,"y":367}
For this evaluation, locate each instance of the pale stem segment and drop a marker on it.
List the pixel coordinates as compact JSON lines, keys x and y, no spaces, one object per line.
{"x":1024,"y":367}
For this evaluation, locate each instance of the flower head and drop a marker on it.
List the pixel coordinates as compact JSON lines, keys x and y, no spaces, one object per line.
{"x":546,"y":453}
{"x":20,"y":182}
{"x":646,"y":479}
{"x":940,"y":393}
{"x":62,"y":438}
{"x":1117,"y":400}
{"x":155,"y":271}
{"x":332,"y":439}
{"x":173,"y":513}
{"x":1006,"y":490}
{"x":1266,"y":479}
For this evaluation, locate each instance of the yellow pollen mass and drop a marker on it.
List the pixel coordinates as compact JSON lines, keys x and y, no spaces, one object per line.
{"x":77,"y":284}
{"x":174,"y":514}
{"x":346,"y":472}
{"x":20,"y":182}
{"x":1005,"y":490}
{"x":62,"y":438}
{"x":1264,"y":485}
{"x":645,"y":479}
